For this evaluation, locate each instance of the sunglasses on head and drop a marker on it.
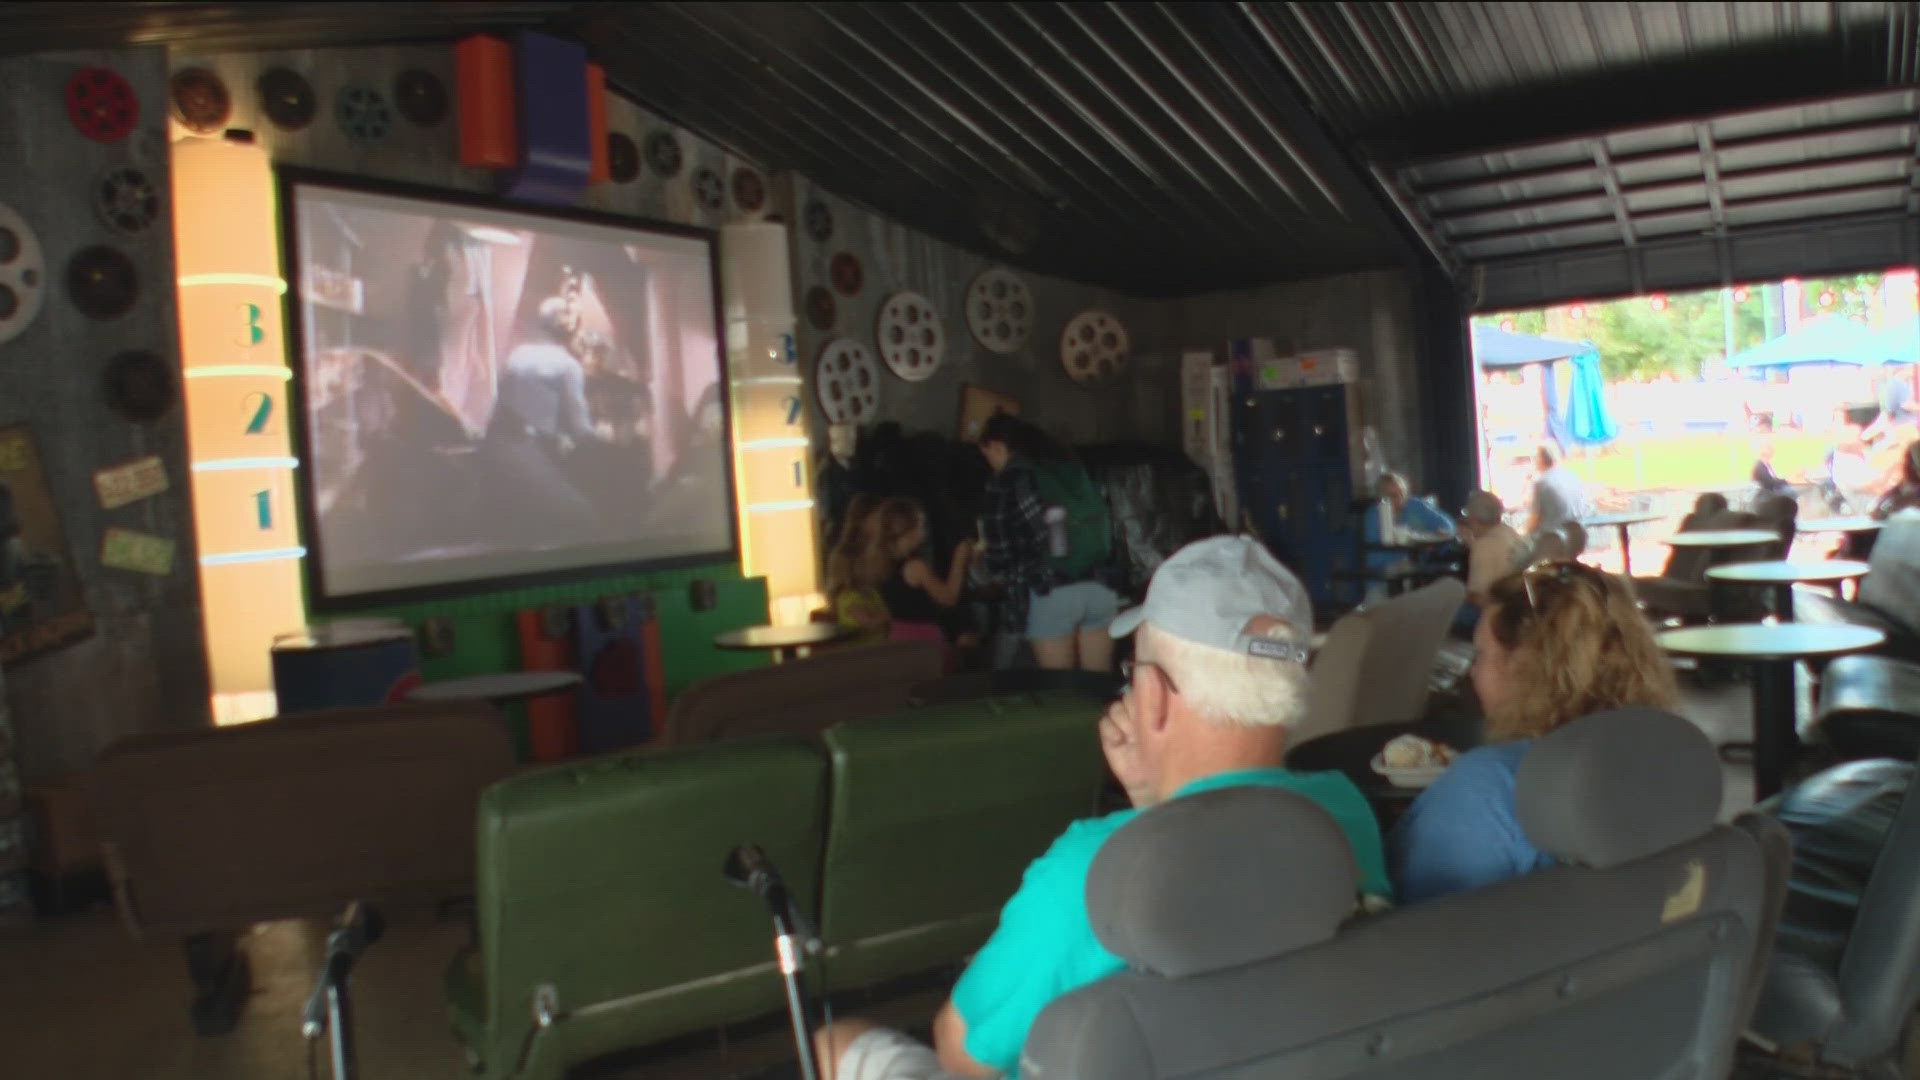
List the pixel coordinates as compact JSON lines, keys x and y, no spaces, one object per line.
{"x":1555,"y":574}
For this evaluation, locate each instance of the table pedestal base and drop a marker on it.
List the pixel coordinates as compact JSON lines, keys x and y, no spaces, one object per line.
{"x":1776,"y":739}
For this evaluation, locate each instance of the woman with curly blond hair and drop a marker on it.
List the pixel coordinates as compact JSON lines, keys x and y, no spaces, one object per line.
{"x":1558,"y":642}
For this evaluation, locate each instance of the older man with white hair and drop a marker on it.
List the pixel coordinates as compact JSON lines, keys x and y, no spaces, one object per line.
{"x":1218,"y":677}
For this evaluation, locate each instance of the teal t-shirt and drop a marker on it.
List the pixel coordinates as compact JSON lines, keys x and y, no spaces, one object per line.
{"x":1045,"y":946}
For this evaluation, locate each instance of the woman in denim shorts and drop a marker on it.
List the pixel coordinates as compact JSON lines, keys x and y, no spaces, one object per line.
{"x":1026,"y":545}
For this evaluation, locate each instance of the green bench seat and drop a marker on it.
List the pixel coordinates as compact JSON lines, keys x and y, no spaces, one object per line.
{"x":602,"y":879}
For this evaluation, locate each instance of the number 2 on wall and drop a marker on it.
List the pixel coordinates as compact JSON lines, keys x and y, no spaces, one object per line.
{"x":262,"y":411}
{"x":263,"y":509}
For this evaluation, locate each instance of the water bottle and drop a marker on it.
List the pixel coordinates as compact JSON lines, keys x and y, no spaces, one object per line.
{"x":1057,"y":531}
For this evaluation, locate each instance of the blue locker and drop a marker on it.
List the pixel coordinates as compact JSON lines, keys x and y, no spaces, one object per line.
{"x":1298,"y":465}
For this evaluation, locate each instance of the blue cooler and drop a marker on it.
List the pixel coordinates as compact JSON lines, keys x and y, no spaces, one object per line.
{"x":349,"y":664}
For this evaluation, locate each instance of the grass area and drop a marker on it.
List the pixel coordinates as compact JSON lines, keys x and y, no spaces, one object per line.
{"x":1693,"y":463}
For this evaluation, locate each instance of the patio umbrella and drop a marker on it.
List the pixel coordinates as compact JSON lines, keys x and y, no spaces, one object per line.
{"x":1833,"y":340}
{"x":1497,"y":348}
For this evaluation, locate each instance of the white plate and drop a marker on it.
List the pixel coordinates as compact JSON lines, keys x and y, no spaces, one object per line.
{"x":1408,"y":778}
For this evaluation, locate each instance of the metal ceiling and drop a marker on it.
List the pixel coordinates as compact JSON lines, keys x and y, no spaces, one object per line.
{"x":1537,"y":150}
{"x":1145,"y":146}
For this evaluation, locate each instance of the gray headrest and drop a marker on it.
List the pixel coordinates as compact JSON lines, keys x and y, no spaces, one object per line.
{"x":1221,"y":878}
{"x":1615,"y":786}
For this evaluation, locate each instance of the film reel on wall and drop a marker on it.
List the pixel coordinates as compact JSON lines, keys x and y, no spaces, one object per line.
{"x":23,"y":274}
{"x":663,"y":154}
{"x":910,"y":337}
{"x":102,"y":282}
{"x":749,"y":191}
{"x":623,"y":158}
{"x":420,"y":96}
{"x":362,"y":112}
{"x":709,"y":191}
{"x":286,"y":97}
{"x":200,"y":100}
{"x":999,"y":310}
{"x":846,"y":381}
{"x":1094,"y":347}
{"x":126,"y":200}
{"x":101,"y":104}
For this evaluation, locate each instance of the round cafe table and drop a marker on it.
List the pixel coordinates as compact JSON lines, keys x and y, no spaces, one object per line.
{"x":1623,"y":522}
{"x":1772,"y":649}
{"x":498,"y":688}
{"x":1784,"y":575}
{"x":781,"y":641}
{"x":1718,"y":540}
{"x":1838,"y":525}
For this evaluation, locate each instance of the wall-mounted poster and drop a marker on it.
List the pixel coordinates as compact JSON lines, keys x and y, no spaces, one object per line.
{"x":977,"y":406}
{"x":41,"y":605}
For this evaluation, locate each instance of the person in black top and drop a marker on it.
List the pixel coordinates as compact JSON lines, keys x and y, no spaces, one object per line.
{"x":917,"y":596}
{"x":1764,"y":478}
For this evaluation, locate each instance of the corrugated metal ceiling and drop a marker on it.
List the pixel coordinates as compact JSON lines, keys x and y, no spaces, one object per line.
{"x":1179,"y":148}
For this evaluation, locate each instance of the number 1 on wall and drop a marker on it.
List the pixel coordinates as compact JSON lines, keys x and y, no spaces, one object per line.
{"x":263,"y":509}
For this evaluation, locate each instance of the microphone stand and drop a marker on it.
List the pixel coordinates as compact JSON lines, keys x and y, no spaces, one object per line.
{"x":329,"y":1007}
{"x":750,"y":868}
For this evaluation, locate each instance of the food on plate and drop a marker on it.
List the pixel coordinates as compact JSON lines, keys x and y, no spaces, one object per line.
{"x":1414,"y":752}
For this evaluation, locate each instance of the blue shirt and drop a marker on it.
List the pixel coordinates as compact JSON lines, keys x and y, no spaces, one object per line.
{"x":1045,"y":946}
{"x":1418,"y":515}
{"x":1463,"y":832}
{"x":546,"y":388}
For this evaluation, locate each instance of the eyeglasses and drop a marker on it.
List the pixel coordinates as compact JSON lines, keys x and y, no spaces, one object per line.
{"x":1127,"y":668}
{"x":1560,"y":573}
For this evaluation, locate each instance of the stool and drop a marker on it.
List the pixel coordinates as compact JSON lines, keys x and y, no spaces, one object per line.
{"x":64,"y":868}
{"x":1870,"y":707}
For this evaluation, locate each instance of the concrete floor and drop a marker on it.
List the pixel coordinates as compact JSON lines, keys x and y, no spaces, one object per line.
{"x":81,"y":1000}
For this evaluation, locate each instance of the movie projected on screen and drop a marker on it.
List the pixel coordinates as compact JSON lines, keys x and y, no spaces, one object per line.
{"x":493,"y":394}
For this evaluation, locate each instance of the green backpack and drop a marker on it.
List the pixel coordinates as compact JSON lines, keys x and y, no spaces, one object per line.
{"x":1089,"y":528}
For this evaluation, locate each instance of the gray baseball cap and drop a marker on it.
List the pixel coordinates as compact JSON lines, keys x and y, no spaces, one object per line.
{"x":1208,"y":591}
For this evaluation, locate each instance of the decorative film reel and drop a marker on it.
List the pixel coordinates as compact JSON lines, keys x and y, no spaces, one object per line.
{"x":819,"y":221}
{"x":126,"y":200}
{"x":847,"y":382}
{"x":999,"y":310}
{"x":821,"y":308}
{"x":749,"y":191}
{"x":909,"y":334}
{"x":101,"y":104}
{"x":102,"y":282}
{"x":1094,"y":347}
{"x":200,"y":100}
{"x":663,"y":154}
{"x":287,"y":98}
{"x":139,"y":385}
{"x":623,"y":158}
{"x":708,"y":189}
{"x":23,"y":274}
{"x":362,"y":112}
{"x":420,"y":96}
{"x":844,"y":268}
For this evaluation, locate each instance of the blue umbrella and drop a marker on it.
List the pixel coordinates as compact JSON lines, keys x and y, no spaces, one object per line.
{"x":1832,"y":340}
{"x":1496,"y":348}
{"x":1587,"y":418}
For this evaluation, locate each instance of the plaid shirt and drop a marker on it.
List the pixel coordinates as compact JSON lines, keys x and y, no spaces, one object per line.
{"x":1015,"y":529}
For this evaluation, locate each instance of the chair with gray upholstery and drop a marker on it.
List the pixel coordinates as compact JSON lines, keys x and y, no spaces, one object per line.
{"x":1845,"y":973}
{"x":1683,"y":591}
{"x":1376,"y":666}
{"x":1234,"y":909}
{"x":1889,"y":596}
